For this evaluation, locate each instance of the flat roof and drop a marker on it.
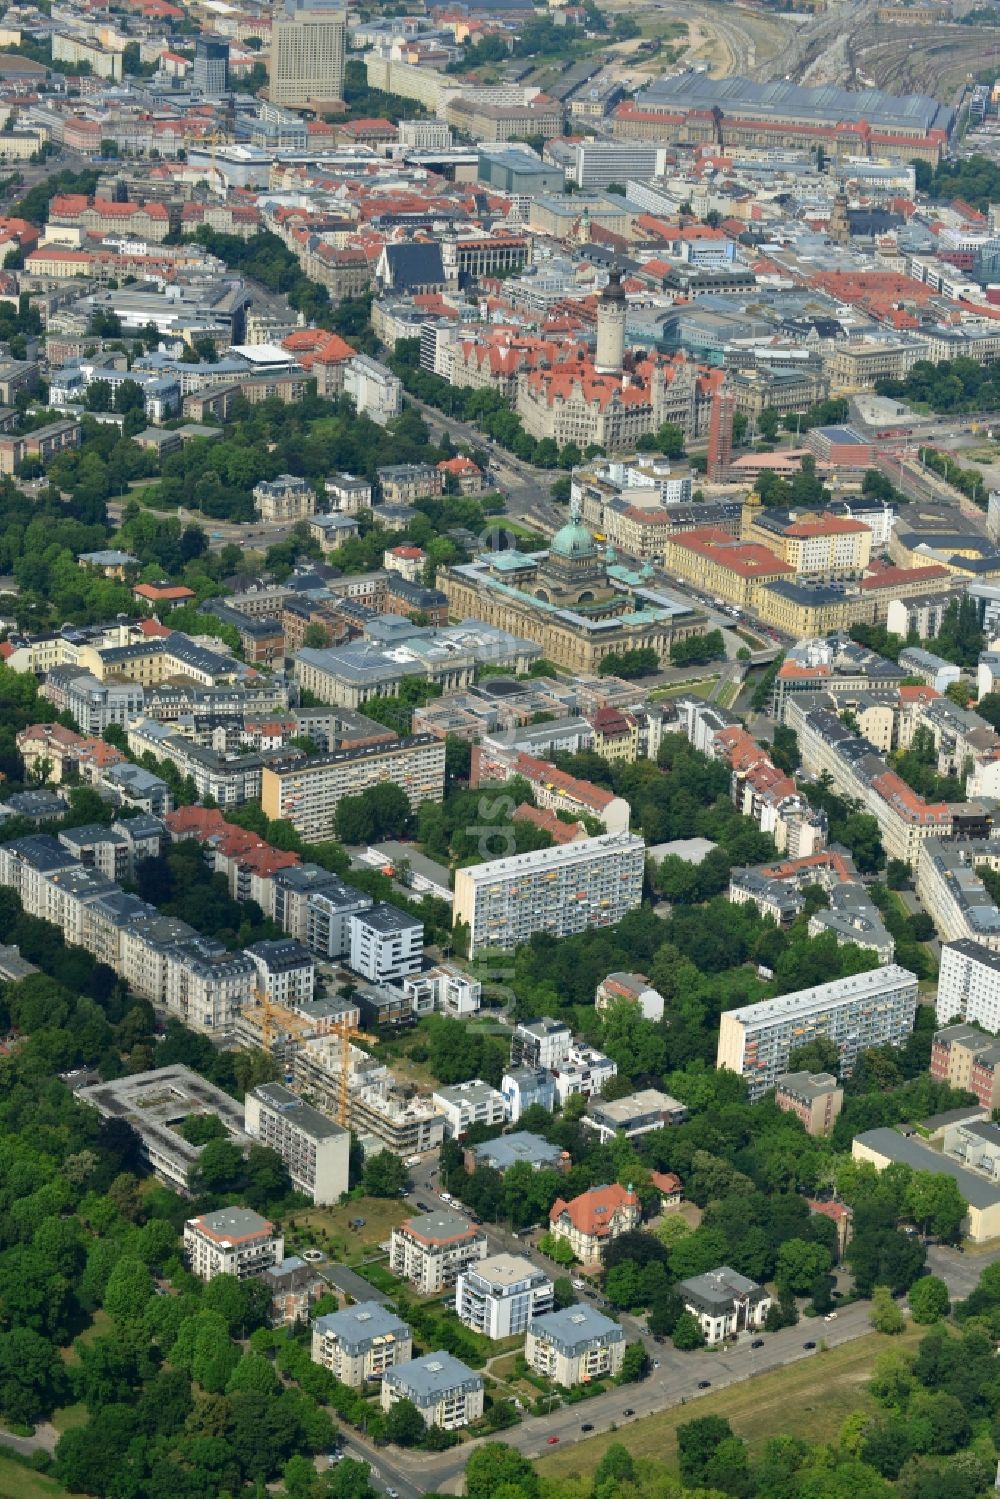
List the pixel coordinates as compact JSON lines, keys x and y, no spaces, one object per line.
{"x":978,"y":1191}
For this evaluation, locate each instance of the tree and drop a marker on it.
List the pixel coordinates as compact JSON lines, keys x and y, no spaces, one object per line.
{"x":316,"y":637}
{"x":496,"y":1468}
{"x":128,"y":1291}
{"x":818,"y":1055}
{"x":697,"y":1442}
{"x":936,"y":1204}
{"x":799,"y":1263}
{"x":404,"y":1424}
{"x":885,"y":1315}
{"x":32,"y":1378}
{"x":385,"y":1175}
{"x":687,"y":1333}
{"x":635,"y":1363}
{"x":929,"y":1299}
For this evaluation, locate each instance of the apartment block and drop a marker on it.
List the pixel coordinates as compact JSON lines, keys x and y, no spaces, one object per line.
{"x":862,"y":1011}
{"x":466,"y":1104}
{"x":499,"y":1296}
{"x":432,"y":1250}
{"x":386,"y":943}
{"x":964,"y":1057}
{"x":575,"y":1345}
{"x":314,"y":1148}
{"x":307,"y":793}
{"x":286,"y":971}
{"x":231,"y":1241}
{"x":815,"y":1097}
{"x":969,"y":985}
{"x":541,"y":1043}
{"x":444,"y":1390}
{"x":560,"y":891}
{"x":360,"y":1342}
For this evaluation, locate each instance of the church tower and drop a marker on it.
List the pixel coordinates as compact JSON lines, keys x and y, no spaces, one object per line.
{"x":611,"y":308}
{"x":840,"y":225}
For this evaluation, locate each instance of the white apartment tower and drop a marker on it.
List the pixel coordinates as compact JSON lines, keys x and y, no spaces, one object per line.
{"x":969,"y":985}
{"x":307,"y":53}
{"x":866,"y":1010}
{"x":314,"y":1148}
{"x":594,"y":882}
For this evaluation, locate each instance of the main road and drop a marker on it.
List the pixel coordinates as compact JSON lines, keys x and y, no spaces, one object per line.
{"x":673,"y":1380}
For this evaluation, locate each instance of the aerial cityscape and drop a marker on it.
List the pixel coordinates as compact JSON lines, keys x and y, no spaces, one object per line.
{"x":499,"y":749}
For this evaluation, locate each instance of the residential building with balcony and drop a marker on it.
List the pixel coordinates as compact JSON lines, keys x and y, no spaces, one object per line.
{"x":574,"y":1346}
{"x":466,"y":1104}
{"x":432,"y":1250}
{"x":444,"y":1390}
{"x":231,"y":1241}
{"x":360,"y":1342}
{"x":862,"y":1011}
{"x":499,"y":1296}
{"x":315,"y":1149}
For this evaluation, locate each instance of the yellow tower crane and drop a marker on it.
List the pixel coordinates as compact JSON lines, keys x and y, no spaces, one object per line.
{"x":275,"y":1018}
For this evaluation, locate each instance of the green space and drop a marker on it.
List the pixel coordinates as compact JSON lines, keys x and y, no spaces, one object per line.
{"x":331,"y":1229}
{"x":20,"y":1482}
{"x":814,"y":1395}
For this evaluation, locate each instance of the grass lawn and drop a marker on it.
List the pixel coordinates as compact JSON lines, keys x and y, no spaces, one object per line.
{"x":68,"y":1416}
{"x":101,"y":1327}
{"x":22,"y":1483}
{"x":330,"y":1228}
{"x":701,"y":687}
{"x":813,"y":1396}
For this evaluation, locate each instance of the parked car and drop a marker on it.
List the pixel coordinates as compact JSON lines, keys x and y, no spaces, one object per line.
{"x":830,"y":1317}
{"x":704,"y":1384}
{"x":757,"y":1343}
{"x":552,"y":1441}
{"x":628,"y":1411}
{"x":587,"y":1426}
{"x":810,"y":1344}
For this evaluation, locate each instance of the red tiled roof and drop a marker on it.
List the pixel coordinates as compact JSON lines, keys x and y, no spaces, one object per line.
{"x":592,"y":1212}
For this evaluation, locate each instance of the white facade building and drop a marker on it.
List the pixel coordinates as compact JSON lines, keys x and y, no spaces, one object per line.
{"x":386,"y":944}
{"x":231,"y":1241}
{"x":375,"y":390}
{"x":865,"y":1010}
{"x":314,"y":1148}
{"x":969,"y":985}
{"x":498,"y":1297}
{"x":466,"y":1104}
{"x":286,"y":971}
{"x":594,"y":882}
{"x":432,"y":1250}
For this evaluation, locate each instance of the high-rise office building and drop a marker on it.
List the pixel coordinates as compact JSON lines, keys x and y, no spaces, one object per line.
{"x":210,"y":73}
{"x":307,"y":53}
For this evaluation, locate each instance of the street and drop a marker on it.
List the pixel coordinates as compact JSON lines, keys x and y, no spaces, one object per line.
{"x":675,"y":1381}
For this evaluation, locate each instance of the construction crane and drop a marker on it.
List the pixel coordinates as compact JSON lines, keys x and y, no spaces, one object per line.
{"x":275,"y":1018}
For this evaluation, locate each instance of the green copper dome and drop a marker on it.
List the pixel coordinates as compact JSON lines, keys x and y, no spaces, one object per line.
{"x":573,"y":540}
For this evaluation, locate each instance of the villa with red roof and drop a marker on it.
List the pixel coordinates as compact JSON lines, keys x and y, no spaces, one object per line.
{"x":591,"y":1221}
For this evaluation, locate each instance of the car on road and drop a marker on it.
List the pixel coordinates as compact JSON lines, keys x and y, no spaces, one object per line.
{"x":757,"y":1343}
{"x":391,"y":1493}
{"x":830,"y":1317}
{"x":578,"y":1285}
{"x":551,"y":1441}
{"x":412,"y":1160}
{"x":587,"y":1426}
{"x":628,"y":1411}
{"x":810,"y":1344}
{"x":656,"y":1363}
{"x":704,"y":1384}
{"x":445,"y":1196}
